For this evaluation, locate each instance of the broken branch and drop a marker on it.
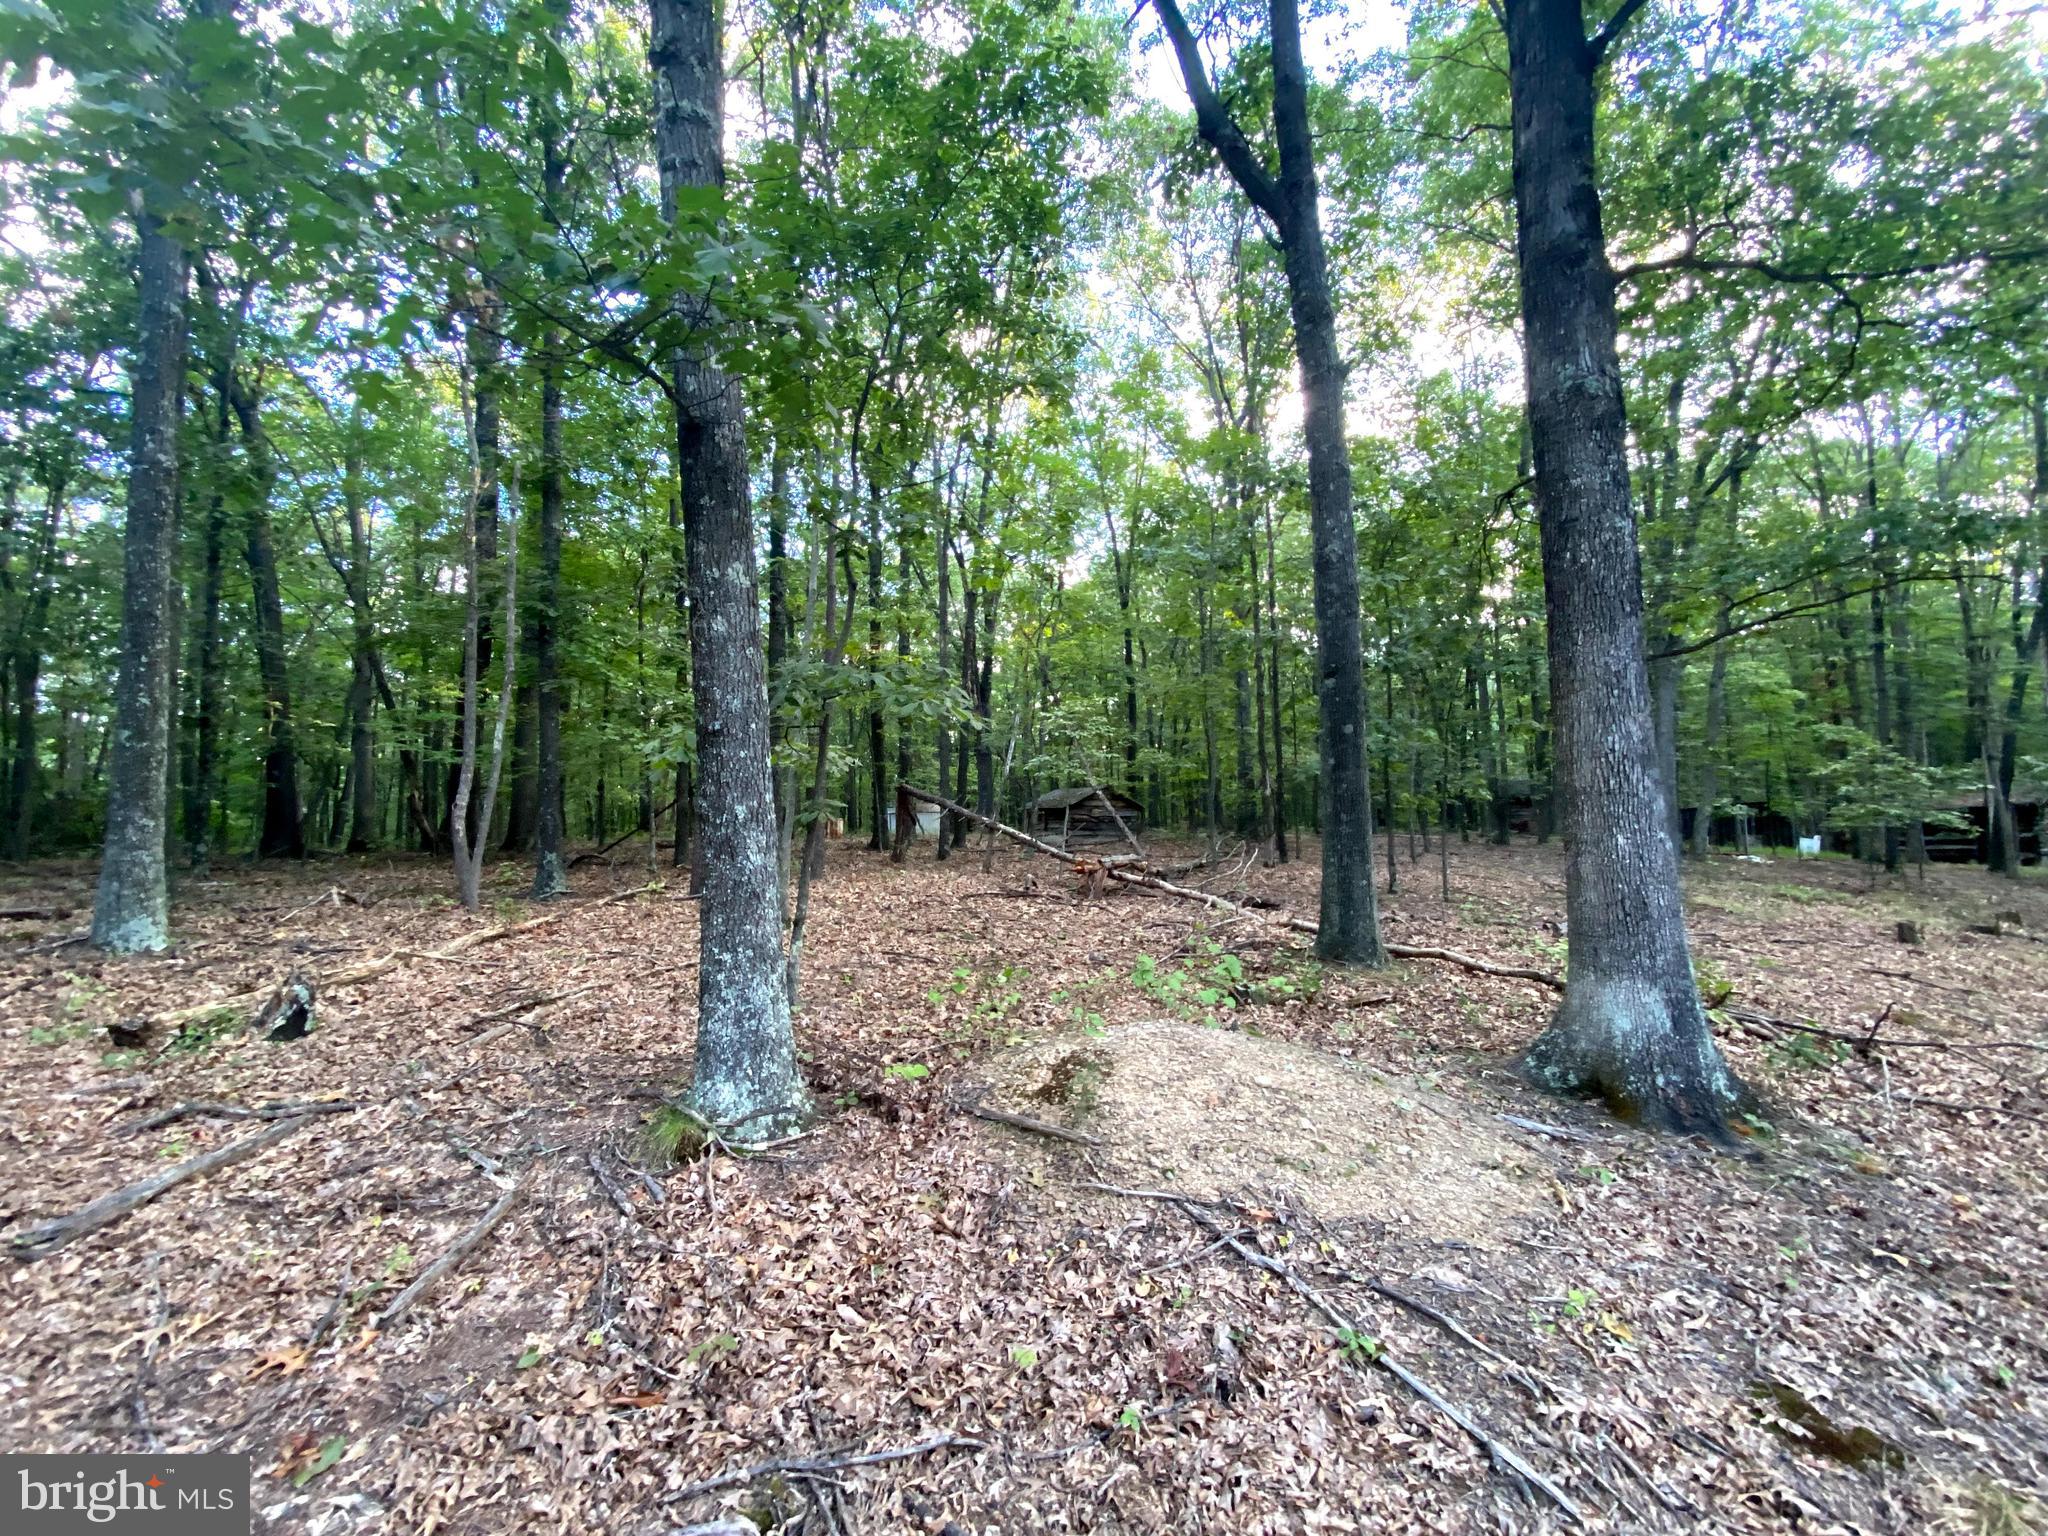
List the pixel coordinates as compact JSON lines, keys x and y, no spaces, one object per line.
{"x":40,"y":1242}
{"x":460,"y":1250}
{"x":821,"y":1466}
{"x":172,"y":1116}
{"x":1025,"y":1123}
{"x":1503,"y":1456}
{"x":1150,"y":882}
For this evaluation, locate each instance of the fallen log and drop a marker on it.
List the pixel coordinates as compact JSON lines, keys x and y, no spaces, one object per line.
{"x":1117,"y":816}
{"x":209,"y":1111}
{"x":456,"y":1253}
{"x":1144,"y":881}
{"x":1024,"y":1123}
{"x":587,"y":856}
{"x":1472,"y":963}
{"x":354,"y":976}
{"x":1346,"y":1330}
{"x":1768,"y":1026}
{"x":40,"y":1242}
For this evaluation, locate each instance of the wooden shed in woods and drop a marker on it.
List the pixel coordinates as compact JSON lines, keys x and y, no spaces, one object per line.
{"x":1972,"y":843}
{"x":1077,"y":818}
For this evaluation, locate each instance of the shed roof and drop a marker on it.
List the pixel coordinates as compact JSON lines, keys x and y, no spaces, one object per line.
{"x":1973,"y":799}
{"x":1062,"y":799}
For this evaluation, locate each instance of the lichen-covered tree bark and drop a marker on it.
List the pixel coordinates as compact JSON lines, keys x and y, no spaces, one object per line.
{"x":746,"y":1051}
{"x":131,"y":910}
{"x":1630,"y":1028}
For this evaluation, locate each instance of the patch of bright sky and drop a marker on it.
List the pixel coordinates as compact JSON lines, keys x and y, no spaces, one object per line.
{"x":1350,"y":32}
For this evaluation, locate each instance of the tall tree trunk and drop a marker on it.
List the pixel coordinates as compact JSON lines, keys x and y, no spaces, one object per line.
{"x":1277,"y":786}
{"x":1350,"y":917}
{"x":1630,"y":1027}
{"x":784,"y":777}
{"x":878,"y":744}
{"x":484,"y":345}
{"x":362,"y":832}
{"x":282,"y":834}
{"x":131,"y":908}
{"x":203,"y":790}
{"x":1349,"y":925}
{"x":984,"y":691}
{"x":942,"y":745}
{"x":2026,"y":643}
{"x":27,"y":671}
{"x":550,"y":868}
{"x":905,"y":812}
{"x":469,"y":814}
{"x":969,"y":639}
{"x":746,"y":1051}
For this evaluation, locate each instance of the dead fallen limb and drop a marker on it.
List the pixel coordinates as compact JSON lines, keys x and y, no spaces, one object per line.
{"x":1556,"y":1132}
{"x":1124,"y":875}
{"x":533,"y":1005}
{"x":370,"y":970}
{"x":1457,"y":1330}
{"x":207,"y":1111}
{"x":1766,"y":1026}
{"x":1472,"y":963}
{"x":40,"y":1242}
{"x":36,"y":914}
{"x":587,"y":856}
{"x":1171,"y":1197}
{"x":1023,"y":839}
{"x":1024,"y":1123}
{"x":459,"y":1251}
{"x":1503,"y":1456}
{"x":1117,"y":816}
{"x":822,"y":1466}
{"x":1959,"y":1107}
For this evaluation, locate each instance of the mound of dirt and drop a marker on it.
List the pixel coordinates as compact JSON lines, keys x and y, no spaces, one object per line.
{"x":1219,"y":1113}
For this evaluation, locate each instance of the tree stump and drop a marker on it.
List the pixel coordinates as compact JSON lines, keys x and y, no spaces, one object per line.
{"x":1909,"y":933}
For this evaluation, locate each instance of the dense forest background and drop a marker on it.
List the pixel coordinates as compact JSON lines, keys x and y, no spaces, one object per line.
{"x":1024,"y":418}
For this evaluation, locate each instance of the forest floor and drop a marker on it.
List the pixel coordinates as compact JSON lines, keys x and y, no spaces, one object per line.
{"x":1843,"y":1331}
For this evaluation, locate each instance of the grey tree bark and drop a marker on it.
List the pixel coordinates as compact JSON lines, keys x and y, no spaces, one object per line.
{"x":28,"y":667}
{"x":282,"y":834}
{"x":1630,"y":1028}
{"x":131,"y":909}
{"x":550,"y":869}
{"x":362,"y":690}
{"x":1348,"y":929}
{"x":746,"y":1050}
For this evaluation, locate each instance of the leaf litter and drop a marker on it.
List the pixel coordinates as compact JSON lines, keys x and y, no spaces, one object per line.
{"x":1680,"y":1339}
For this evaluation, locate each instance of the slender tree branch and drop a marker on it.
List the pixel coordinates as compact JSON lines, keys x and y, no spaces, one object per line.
{"x":1215,"y":123}
{"x":1692,"y":261}
{"x":1794,"y":611}
{"x":1604,"y":39}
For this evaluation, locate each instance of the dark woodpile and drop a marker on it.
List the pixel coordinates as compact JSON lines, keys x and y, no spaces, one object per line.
{"x":1080,"y":818}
